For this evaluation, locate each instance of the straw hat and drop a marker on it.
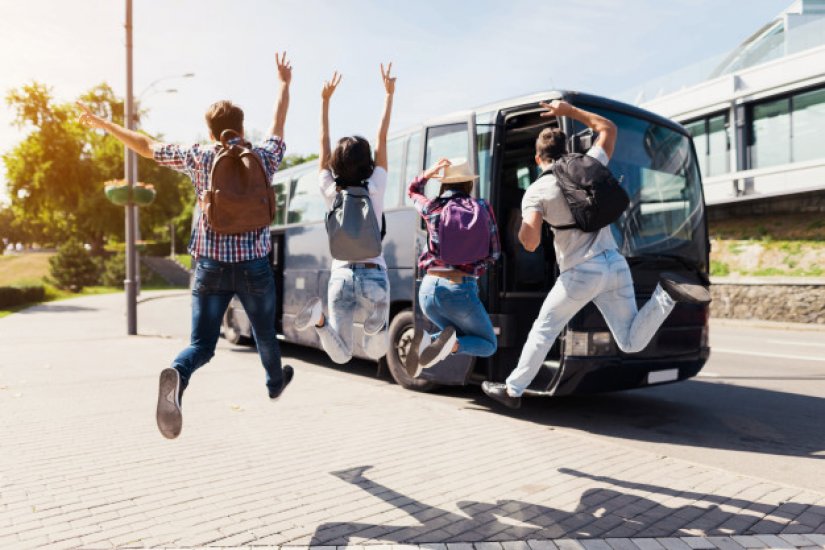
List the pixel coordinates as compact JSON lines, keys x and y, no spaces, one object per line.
{"x":458,"y":171}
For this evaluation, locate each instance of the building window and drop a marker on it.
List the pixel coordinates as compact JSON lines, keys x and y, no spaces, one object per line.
{"x":808,"y":125}
{"x":788,"y":129}
{"x":770,"y":133}
{"x":710,"y":137}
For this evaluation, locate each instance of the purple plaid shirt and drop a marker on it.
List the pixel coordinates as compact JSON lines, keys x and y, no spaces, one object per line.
{"x":430,"y":210}
{"x":196,"y":162}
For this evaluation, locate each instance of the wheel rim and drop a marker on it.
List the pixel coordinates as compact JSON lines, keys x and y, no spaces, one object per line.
{"x":402,"y":347}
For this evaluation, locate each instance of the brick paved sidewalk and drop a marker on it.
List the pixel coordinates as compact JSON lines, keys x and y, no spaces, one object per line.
{"x":341,"y":459}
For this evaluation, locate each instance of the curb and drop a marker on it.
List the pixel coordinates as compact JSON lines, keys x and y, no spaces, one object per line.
{"x":761,"y":323}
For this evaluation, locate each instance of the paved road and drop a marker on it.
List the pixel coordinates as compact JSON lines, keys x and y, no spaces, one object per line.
{"x":346,"y":458}
{"x":757,"y":408}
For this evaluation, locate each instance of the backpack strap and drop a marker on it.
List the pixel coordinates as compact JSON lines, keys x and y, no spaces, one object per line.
{"x":552,"y":172}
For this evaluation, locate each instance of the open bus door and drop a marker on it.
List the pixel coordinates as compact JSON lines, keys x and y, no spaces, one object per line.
{"x":451,"y":140}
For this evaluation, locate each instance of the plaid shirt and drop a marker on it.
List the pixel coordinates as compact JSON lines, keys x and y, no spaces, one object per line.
{"x":196,"y":162}
{"x":430,"y":210}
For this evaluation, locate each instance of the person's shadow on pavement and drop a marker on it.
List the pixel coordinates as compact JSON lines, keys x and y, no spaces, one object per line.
{"x":600,"y":513}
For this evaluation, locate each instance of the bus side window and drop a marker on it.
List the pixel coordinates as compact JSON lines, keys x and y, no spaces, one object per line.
{"x":306,"y":204}
{"x":450,"y":141}
{"x":281,"y":189}
{"x":395,"y":155}
{"x":413,"y":167}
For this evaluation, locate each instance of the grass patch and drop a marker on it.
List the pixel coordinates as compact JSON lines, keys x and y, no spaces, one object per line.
{"x":185,"y":260}
{"x":24,"y":269}
{"x":719,"y":269}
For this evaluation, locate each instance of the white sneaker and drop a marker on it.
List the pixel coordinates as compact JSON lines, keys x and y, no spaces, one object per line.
{"x":420,"y":342}
{"x":310,"y":315}
{"x":439,"y":349}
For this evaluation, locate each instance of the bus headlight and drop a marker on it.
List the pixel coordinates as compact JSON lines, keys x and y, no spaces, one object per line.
{"x":589,"y":343}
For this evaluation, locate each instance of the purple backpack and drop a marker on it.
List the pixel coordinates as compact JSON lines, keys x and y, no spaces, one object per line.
{"x":463,"y":231}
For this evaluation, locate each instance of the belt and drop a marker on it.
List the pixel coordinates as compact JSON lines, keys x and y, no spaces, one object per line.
{"x":455,"y":276}
{"x":366,"y":265}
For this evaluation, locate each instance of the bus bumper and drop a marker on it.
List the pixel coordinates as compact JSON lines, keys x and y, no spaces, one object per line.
{"x":582,"y":375}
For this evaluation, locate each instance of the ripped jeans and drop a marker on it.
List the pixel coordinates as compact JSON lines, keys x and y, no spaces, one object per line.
{"x":604,"y":280}
{"x":351,"y":296}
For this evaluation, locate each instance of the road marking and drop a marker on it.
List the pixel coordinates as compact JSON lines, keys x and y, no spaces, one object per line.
{"x":766,"y":354}
{"x":794,"y":343}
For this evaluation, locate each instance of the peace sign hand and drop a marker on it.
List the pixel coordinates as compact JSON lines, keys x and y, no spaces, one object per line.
{"x":284,"y":68}
{"x":389,"y":81}
{"x":330,"y":85}
{"x":432,"y":171}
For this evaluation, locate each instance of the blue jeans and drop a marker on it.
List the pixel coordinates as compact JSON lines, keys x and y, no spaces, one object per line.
{"x":447,"y":303}
{"x":605,"y":280}
{"x":215,"y":284}
{"x":354,"y":294}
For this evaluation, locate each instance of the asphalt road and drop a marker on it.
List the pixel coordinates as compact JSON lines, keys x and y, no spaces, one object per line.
{"x":757,"y":408}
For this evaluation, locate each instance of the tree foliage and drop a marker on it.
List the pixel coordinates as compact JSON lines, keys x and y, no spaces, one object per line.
{"x":72,"y":268}
{"x":55,"y":175}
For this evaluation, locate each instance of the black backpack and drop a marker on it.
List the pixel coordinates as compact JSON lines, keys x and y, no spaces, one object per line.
{"x":595,"y":197}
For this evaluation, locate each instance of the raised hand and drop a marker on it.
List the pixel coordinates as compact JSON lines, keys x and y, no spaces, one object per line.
{"x":284,"y":68}
{"x":556,"y":108}
{"x":433,"y":171}
{"x":330,"y":85}
{"x":389,"y":81}
{"x":87,"y":118}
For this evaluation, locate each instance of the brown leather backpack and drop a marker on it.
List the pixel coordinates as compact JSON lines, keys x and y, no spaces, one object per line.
{"x":239,"y":197}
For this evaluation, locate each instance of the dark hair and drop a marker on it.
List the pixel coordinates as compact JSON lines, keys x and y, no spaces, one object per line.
{"x":551,"y":144}
{"x":223,"y":115}
{"x":351,"y":161}
{"x":465,"y":187}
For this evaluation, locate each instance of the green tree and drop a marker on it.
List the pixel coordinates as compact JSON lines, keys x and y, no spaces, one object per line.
{"x":72,"y":268}
{"x":294,"y":160}
{"x":56,"y":174}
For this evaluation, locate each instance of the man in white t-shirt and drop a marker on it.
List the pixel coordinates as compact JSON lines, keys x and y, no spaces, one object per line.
{"x":361,"y":290}
{"x":590,"y":264}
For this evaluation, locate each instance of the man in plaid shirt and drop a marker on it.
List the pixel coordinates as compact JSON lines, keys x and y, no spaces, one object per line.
{"x":225,"y":265}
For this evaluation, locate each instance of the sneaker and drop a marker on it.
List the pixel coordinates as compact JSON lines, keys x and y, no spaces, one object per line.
{"x":375,"y":321}
{"x":421,"y":340}
{"x":440,"y":348}
{"x":310,"y":315}
{"x":169,"y":415}
{"x":289,"y":372}
{"x":499,"y":392}
{"x":684,"y":289}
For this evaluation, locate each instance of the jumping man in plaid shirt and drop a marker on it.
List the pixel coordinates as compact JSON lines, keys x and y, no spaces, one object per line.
{"x":225,"y":265}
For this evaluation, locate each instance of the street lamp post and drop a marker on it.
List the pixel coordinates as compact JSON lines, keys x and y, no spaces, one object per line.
{"x":130,"y":283}
{"x":130,"y":169}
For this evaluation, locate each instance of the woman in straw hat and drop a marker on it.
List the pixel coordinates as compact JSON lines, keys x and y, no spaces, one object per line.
{"x":462,"y":243}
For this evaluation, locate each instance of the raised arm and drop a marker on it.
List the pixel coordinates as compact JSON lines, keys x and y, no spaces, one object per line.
{"x":139,"y":143}
{"x":381,"y":142}
{"x":326,"y":95}
{"x":599,"y":124}
{"x":285,"y":76}
{"x":416,"y":188}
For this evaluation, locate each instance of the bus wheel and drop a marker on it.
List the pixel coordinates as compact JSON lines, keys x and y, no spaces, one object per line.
{"x":401,"y":334}
{"x":231,"y":331}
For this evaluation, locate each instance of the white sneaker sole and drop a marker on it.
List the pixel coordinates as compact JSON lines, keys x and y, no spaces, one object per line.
{"x":169,"y":416}
{"x":309,"y":315}
{"x":444,"y":351}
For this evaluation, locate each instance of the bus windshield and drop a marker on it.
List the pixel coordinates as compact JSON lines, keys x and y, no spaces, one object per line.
{"x":657,"y":167}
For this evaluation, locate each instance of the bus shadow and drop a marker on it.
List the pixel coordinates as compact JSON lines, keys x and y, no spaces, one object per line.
{"x":600,"y":512}
{"x":694,"y":413}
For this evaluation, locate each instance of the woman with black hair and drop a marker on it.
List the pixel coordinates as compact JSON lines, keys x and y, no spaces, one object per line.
{"x":361,"y":290}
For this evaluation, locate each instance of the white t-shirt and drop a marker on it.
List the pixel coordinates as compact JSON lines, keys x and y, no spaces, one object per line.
{"x":377,"y":183}
{"x":573,"y":246}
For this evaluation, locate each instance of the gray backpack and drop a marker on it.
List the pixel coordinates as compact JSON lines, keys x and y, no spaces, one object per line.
{"x":352,"y":227}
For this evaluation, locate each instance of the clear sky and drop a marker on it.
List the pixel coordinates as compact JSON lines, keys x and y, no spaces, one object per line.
{"x":448,"y":55}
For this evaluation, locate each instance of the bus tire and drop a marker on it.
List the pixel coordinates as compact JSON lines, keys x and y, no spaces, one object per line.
{"x":401,"y":333}
{"x":232,"y":331}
